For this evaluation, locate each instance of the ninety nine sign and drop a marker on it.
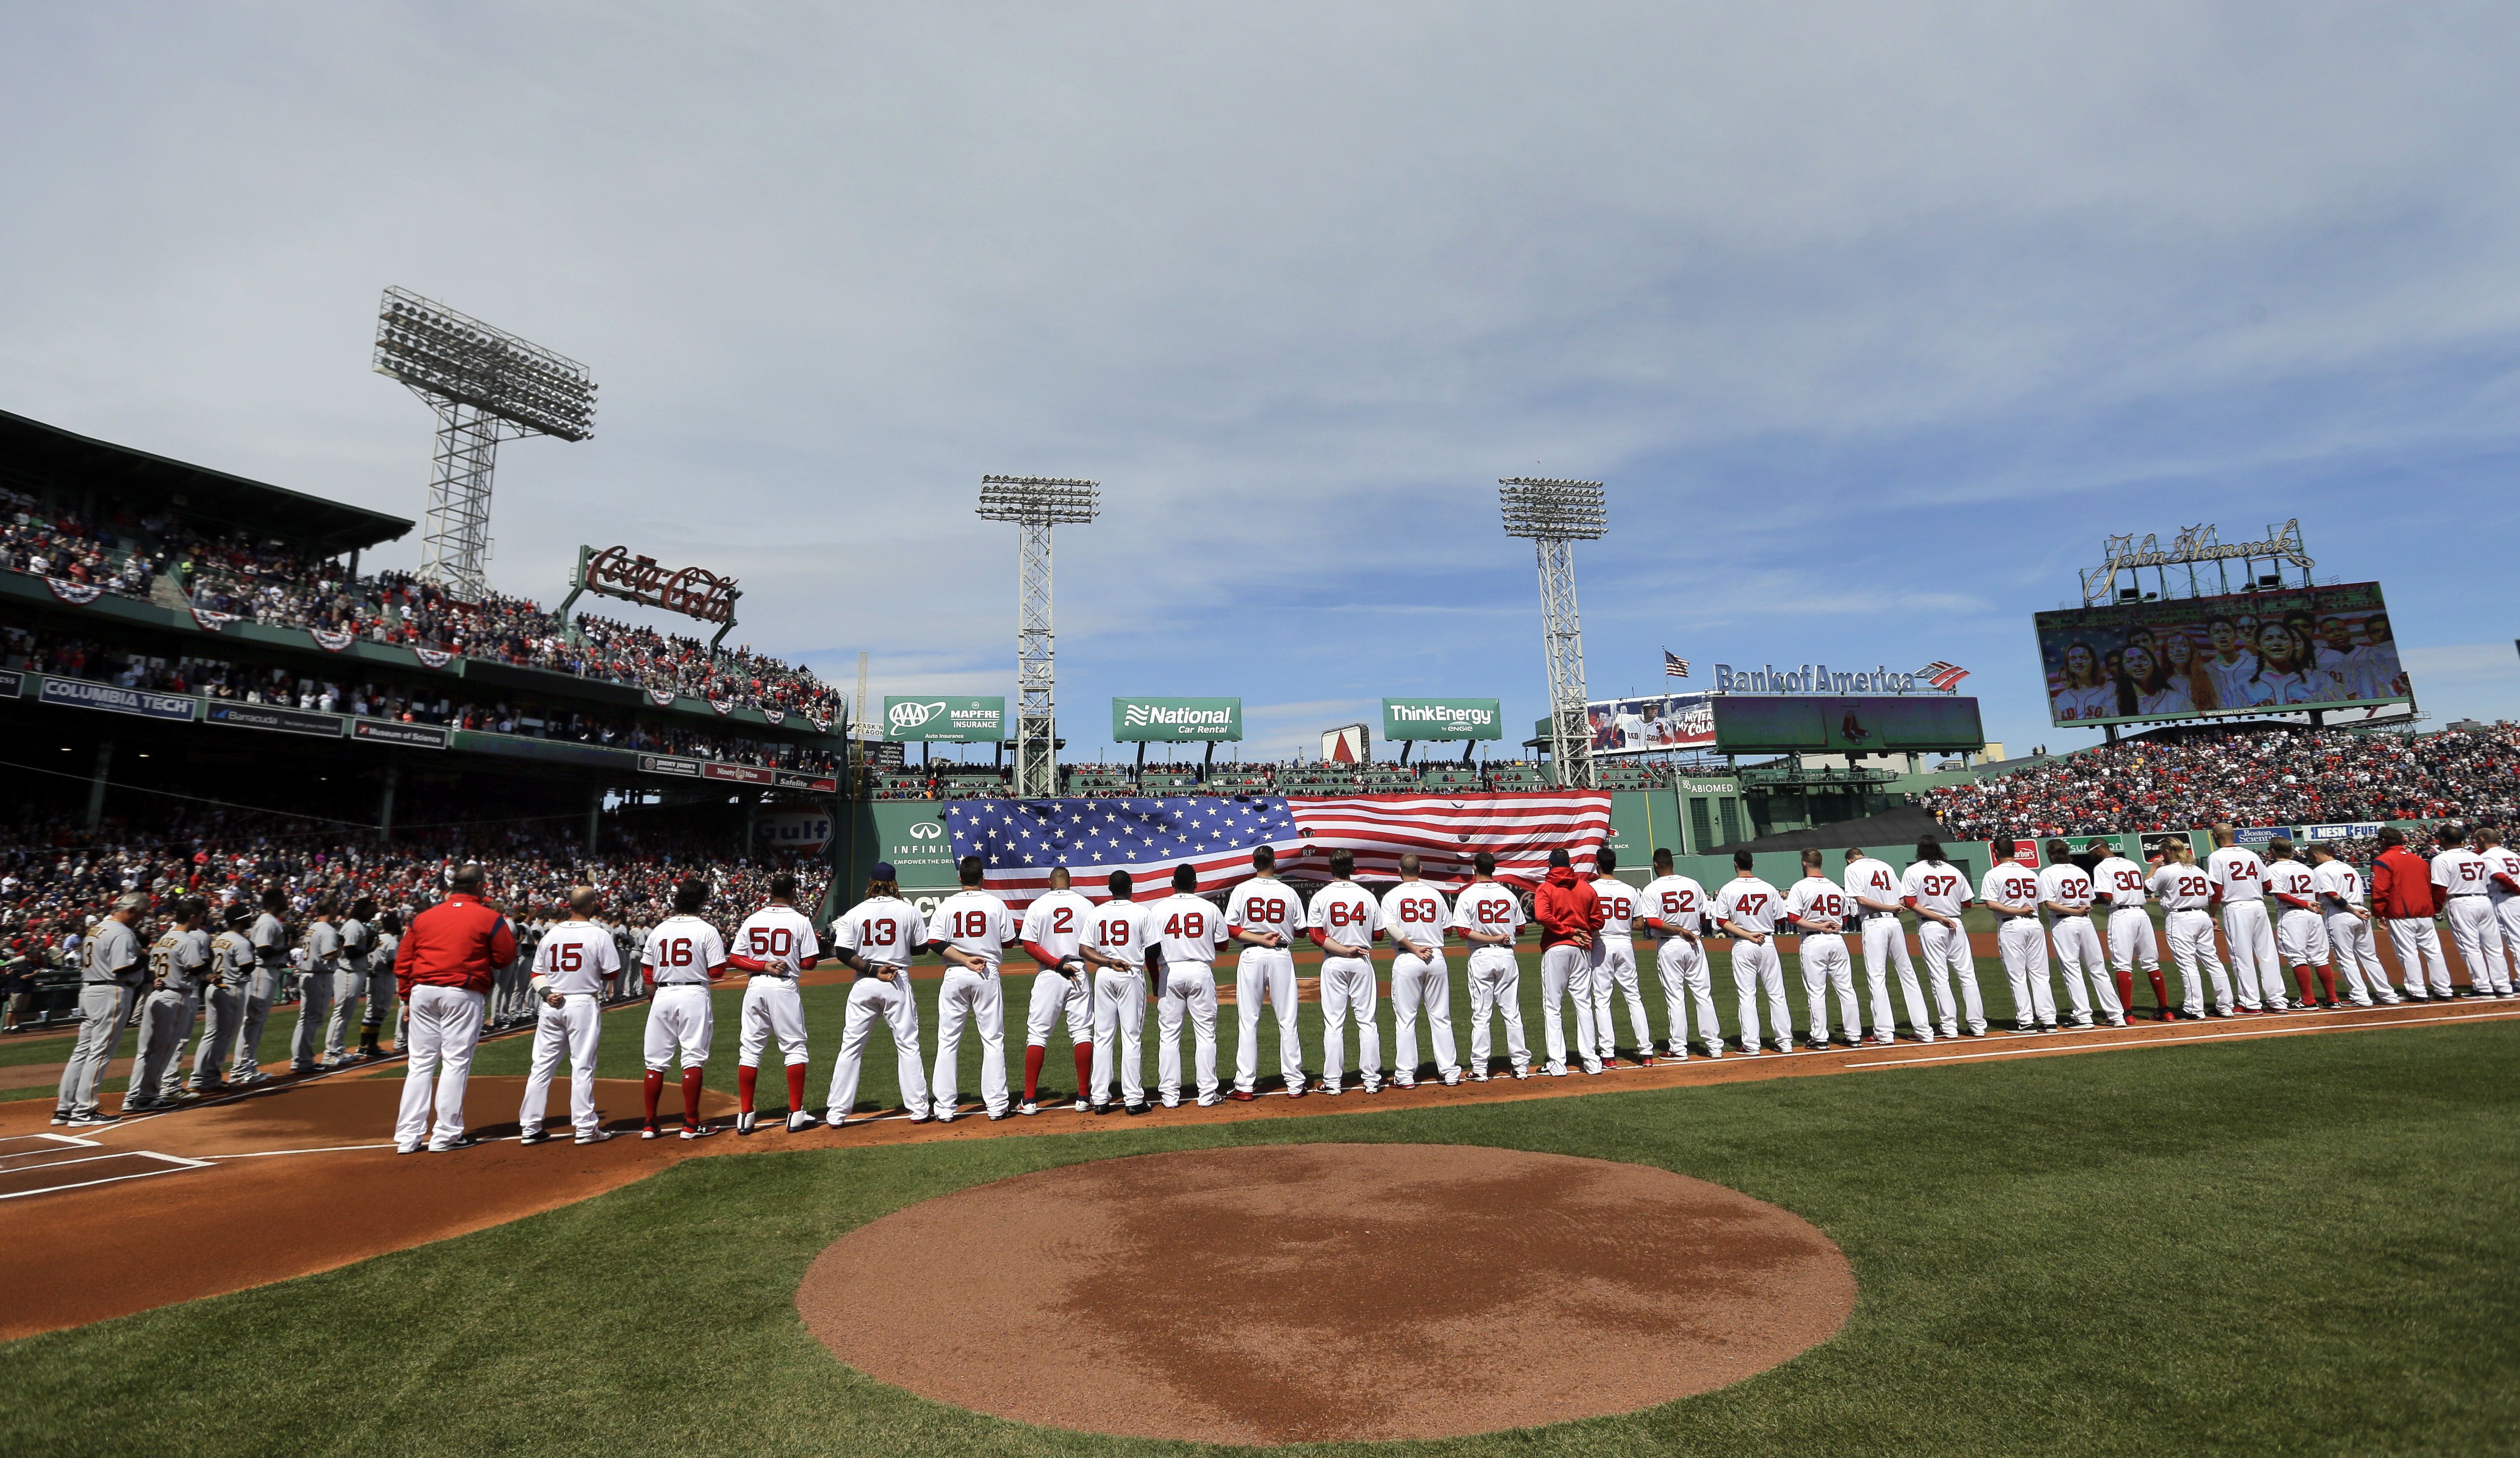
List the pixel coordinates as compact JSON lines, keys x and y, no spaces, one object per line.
{"x":1174,"y":719}
{"x":692,"y":592}
{"x":944,"y":719}
{"x":1442,"y":719}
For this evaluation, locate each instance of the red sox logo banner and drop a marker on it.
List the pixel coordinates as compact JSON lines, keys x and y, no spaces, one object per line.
{"x":694,"y":591}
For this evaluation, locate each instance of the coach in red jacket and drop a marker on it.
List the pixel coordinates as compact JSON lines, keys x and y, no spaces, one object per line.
{"x":2401,"y":896}
{"x":1568,"y":913}
{"x":443,"y":970}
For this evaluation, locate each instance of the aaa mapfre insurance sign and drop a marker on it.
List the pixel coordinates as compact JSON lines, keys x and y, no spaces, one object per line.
{"x":944,"y":719}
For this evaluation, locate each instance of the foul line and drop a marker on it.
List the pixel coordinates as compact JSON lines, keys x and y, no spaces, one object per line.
{"x":2149,"y":1042}
{"x":172,"y":1164}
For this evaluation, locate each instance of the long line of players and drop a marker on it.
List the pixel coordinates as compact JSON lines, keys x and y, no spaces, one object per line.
{"x":1099,"y":964}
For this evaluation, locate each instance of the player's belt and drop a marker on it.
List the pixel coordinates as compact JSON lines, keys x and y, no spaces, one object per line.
{"x":2460,"y":896}
{"x":2003,"y":917}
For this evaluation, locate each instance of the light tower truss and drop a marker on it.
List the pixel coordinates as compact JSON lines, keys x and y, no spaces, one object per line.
{"x":1554,"y":515}
{"x":1036,"y":504}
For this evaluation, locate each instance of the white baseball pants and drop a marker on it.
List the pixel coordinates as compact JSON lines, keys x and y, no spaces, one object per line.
{"x":773,"y":1008}
{"x":2301,"y":938}
{"x":1826,"y":966}
{"x":974,"y":997}
{"x":2417,"y":944}
{"x":2084,"y":963}
{"x":1119,"y":1034}
{"x":1348,"y":992}
{"x":2022,"y":942}
{"x":2507,"y":909}
{"x":166,"y":1025}
{"x":1756,"y":967}
{"x":1681,"y":965}
{"x":1885,"y":949}
{"x":445,"y":1028}
{"x":2191,"y":949}
{"x":1422,"y":982}
{"x":1566,"y":971}
{"x":1188,"y":993}
{"x":2358,"y":957}
{"x":2256,"y":971}
{"x":1496,"y":987}
{"x":2477,"y":933}
{"x":680,"y":1019}
{"x":872,"y":999}
{"x":314,"y":1005}
{"x":1948,"y":958}
{"x":1055,"y":992}
{"x":2131,"y":943}
{"x":572,"y":1028}
{"x":1614,"y":971}
{"x":1266,"y":974}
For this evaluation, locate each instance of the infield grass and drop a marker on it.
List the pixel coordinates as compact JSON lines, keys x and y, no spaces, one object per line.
{"x":2287,"y":1245}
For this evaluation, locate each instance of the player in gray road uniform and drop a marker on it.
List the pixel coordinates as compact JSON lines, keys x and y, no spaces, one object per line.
{"x":353,"y":984}
{"x":176,"y":961}
{"x":381,"y":985}
{"x":323,"y":946}
{"x":270,"y":939}
{"x":223,"y":1000}
{"x":110,"y":972}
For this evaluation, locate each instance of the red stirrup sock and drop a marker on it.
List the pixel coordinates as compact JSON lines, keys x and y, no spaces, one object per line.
{"x":656,"y":1087}
{"x":2327,"y":982}
{"x":795,"y":1089}
{"x":745,"y":1077}
{"x":1033,"y":1055}
{"x":2125,"y":990}
{"x":2160,"y":990}
{"x":1084,"y":1068}
{"x":2309,"y":989}
{"x":692,"y":1098}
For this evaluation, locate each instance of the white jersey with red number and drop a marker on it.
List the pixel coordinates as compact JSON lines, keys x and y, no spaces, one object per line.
{"x":1487,"y":908}
{"x":2120,"y":881}
{"x":1185,"y":928}
{"x":2294,"y":879}
{"x":2338,"y":882}
{"x":2181,"y":887}
{"x":1118,"y":930}
{"x":1866,"y":878}
{"x":2503,"y":862}
{"x":1344,"y":912}
{"x":2460,"y":871}
{"x":780,"y":938}
{"x":2067,"y":885}
{"x":2238,"y":874}
{"x":1821,"y":899}
{"x":683,"y":949}
{"x":575,"y":958}
{"x":1750,"y":904}
{"x":1679,"y":902}
{"x":1935,"y":886}
{"x":1265,"y":903}
{"x":2012,"y":883}
{"x":1618,"y":901}
{"x":1055,"y":922}
{"x":975,"y":921}
{"x":879,"y":929}
{"x":1416,"y":912}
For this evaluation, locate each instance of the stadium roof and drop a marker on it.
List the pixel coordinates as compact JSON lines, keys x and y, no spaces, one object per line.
{"x":70,"y":463}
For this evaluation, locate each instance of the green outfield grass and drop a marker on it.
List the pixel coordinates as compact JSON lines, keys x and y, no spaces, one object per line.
{"x":2287,"y":1246}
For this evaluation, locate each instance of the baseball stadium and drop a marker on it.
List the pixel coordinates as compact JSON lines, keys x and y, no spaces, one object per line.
{"x":446,"y":1011}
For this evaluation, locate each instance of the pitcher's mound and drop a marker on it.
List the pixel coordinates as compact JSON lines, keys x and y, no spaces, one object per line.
{"x":1327,"y":1292}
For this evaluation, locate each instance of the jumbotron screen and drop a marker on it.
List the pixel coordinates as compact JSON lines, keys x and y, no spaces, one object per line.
{"x":2273,"y":653}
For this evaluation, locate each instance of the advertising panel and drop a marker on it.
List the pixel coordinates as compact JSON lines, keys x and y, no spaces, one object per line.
{"x":1442,"y":719}
{"x":12,"y":683}
{"x":1173,"y":720}
{"x":1347,"y":745}
{"x":2269,"y":653}
{"x":806,"y":830}
{"x":944,"y":719}
{"x":392,"y":732}
{"x":1889,"y":724}
{"x":1651,"y":726}
{"x":274,"y":718}
{"x":79,"y":694}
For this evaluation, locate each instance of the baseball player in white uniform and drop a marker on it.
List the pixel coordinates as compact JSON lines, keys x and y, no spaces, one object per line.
{"x":1489,"y":916}
{"x":567,"y":976}
{"x":1264,"y":916}
{"x":970,"y":931}
{"x":2301,"y":931}
{"x":772,"y":948}
{"x":1184,"y":931}
{"x":1614,"y":962}
{"x":2502,"y":890}
{"x":2239,"y":880}
{"x":1673,"y":908}
{"x":1414,"y":916}
{"x":1116,"y":943}
{"x":877,"y":940}
{"x":2346,"y":905}
{"x":1344,"y":920}
{"x":682,"y":959}
{"x":2463,"y":880}
{"x":177,"y":960}
{"x":2185,"y":892}
{"x":1873,"y":886}
{"x":2119,"y":883}
{"x":2066,"y":893}
{"x":1053,"y":926}
{"x":1746,"y":910}
{"x":1819,"y":910}
{"x":1938,"y":891}
{"x":2011,"y":891}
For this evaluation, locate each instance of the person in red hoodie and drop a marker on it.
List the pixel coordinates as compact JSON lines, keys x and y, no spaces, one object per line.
{"x":1568,"y":913}
{"x":443,"y":971}
{"x":2401,"y":893}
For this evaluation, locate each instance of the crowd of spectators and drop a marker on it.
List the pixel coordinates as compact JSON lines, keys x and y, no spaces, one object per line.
{"x":2278,"y":776}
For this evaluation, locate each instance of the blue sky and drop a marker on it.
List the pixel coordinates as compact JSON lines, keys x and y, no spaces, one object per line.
{"x":1875,"y":322}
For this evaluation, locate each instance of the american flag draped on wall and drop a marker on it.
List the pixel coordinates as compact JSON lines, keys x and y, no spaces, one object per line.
{"x":1020,"y":840}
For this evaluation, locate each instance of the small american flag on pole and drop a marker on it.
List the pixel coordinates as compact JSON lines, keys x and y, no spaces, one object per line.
{"x":1943,"y":676}
{"x":1673,"y":665}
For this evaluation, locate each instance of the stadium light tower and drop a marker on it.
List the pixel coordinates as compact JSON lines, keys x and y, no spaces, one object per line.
{"x":487,"y":385}
{"x":1556,"y":515}
{"x":1036,"y":504}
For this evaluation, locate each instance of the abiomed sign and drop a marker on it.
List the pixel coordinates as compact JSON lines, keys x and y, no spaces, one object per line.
{"x":1442,"y":719}
{"x":944,"y":719}
{"x":1176,"y":719}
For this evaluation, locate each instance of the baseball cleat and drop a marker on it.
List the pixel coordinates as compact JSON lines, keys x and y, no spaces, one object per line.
{"x":61,"y":1116}
{"x":1210,"y":1100}
{"x":1598,"y":1069}
{"x":594,"y":1136}
{"x":699,"y":1131}
{"x":460,"y":1141}
{"x":650,"y":1131}
{"x":1105,"y":1107}
{"x":533,"y":1136}
{"x":1554,"y":1073}
{"x":92,"y":1119}
{"x":408,"y":1148}
{"x":1173,"y":1102}
{"x":1327,"y":1088}
{"x":1084,"y":1106}
{"x":1646,"y":1060}
{"x":1523,"y":1073}
{"x":922,"y":1117}
{"x":1027,"y":1108}
{"x":1479,"y":1075}
{"x":1134,"y":1110}
{"x":1400,"y":1084}
{"x":743,"y":1125}
{"x":1450,"y":1079}
{"x":944,"y":1117}
{"x":1242,"y":1095}
{"x":997,"y":1114}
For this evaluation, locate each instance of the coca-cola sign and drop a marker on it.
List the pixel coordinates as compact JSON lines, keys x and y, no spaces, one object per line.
{"x":694,"y":591}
